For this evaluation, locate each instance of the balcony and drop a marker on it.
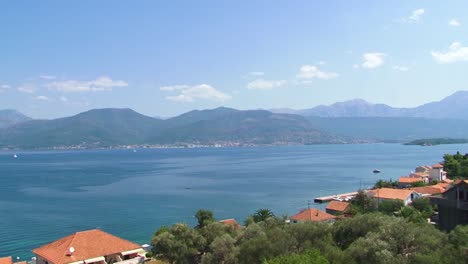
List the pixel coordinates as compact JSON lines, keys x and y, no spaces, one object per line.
{"x":441,"y":201}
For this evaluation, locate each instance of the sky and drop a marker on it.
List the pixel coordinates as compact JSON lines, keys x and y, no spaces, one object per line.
{"x":164,"y":58}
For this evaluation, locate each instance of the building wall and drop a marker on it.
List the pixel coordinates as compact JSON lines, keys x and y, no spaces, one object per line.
{"x":40,"y":260}
{"x":450,"y":217}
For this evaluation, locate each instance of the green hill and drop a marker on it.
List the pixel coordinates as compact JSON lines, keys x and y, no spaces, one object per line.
{"x":112,"y":127}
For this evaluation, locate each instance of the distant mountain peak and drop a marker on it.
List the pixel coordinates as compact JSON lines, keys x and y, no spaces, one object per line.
{"x":10,"y":117}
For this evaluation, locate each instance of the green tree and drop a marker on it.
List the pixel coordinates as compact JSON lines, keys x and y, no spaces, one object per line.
{"x":389,"y":207}
{"x":204,"y":217}
{"x":310,"y":256}
{"x":349,"y":230}
{"x":363,"y":203}
{"x":262,"y":215}
{"x":424,"y":206}
{"x":222,"y":250}
{"x":179,"y":244}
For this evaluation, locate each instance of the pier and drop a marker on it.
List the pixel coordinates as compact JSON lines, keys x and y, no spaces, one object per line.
{"x":331,"y":197}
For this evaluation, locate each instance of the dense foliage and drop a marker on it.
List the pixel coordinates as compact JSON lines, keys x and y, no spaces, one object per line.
{"x":437,"y":141}
{"x":365,"y":238}
{"x":456,"y":165}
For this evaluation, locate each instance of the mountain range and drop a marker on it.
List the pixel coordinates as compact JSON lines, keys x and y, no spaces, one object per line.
{"x":454,"y":106}
{"x":117,"y":127}
{"x":346,"y":122}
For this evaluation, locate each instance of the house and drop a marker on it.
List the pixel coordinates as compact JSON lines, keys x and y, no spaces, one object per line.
{"x":452,"y":206}
{"x":437,"y":173}
{"x":405,"y":182}
{"x":231,"y":222}
{"x":90,"y":246}
{"x":421,"y":175}
{"x":6,"y":260}
{"x":423,"y":169}
{"x":313,"y":214}
{"x":387,"y":194}
{"x":337,"y":207}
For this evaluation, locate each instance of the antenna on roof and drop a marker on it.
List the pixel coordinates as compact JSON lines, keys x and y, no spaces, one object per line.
{"x":70,"y":251}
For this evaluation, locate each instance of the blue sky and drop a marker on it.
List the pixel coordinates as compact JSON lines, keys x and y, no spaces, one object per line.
{"x":163,"y":58}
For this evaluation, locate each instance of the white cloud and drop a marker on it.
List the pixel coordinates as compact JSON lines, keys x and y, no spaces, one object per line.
{"x":42,"y":98}
{"x":173,"y":88}
{"x":416,"y":15}
{"x":373,"y":60}
{"x":257,"y":73}
{"x":400,"y":68}
{"x":4,"y":87}
{"x":455,"y":53}
{"x":454,"y":23}
{"x":100,"y":84}
{"x":180,"y":98}
{"x":310,"y":72}
{"x":191,"y":93}
{"x":261,"y":84}
{"x":27,"y":88}
{"x":47,"y":77}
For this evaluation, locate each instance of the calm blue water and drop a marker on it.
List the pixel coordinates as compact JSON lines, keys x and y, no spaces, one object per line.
{"x":48,"y":195}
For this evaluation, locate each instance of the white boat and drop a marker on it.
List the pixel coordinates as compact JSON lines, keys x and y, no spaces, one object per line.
{"x":15,"y":156}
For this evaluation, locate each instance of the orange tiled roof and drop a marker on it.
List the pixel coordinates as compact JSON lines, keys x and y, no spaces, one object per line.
{"x":6,"y":260}
{"x":442,"y":184}
{"x":392,"y":194}
{"x":312,"y":214}
{"x":420,"y":174}
{"x":429,"y":189}
{"x":21,"y":262}
{"x":447,"y":181}
{"x":337,"y":206}
{"x":87,"y":244}
{"x":231,"y":221}
{"x":437,"y":166}
{"x":409,"y":180}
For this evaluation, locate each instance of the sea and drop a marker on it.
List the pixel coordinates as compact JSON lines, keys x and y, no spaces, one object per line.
{"x":46,"y":195}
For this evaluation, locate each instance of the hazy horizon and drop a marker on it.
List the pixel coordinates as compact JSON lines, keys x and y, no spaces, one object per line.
{"x":164,"y":59}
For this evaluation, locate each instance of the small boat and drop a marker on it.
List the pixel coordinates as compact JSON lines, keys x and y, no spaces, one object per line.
{"x":15,"y":156}
{"x":376,"y":171}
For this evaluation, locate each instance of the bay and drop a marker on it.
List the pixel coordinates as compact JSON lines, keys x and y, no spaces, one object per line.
{"x":47,"y":195}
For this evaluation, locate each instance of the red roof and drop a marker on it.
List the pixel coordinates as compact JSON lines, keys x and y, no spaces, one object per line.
{"x":86,"y":244}
{"x":231,"y":222}
{"x":434,"y":189}
{"x":337,"y":206}
{"x":437,"y":166}
{"x":6,"y":260}
{"x":391,"y":194}
{"x":409,"y":180}
{"x":312,"y":214}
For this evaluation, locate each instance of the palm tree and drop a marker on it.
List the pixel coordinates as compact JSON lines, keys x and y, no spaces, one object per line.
{"x":262,"y":215}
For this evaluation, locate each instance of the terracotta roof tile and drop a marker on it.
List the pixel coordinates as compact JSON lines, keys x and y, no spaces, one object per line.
{"x":337,"y":206}
{"x":409,"y":180}
{"x":392,"y":194}
{"x":443,"y":185}
{"x":429,"y":189}
{"x":87,"y":244}
{"x":6,"y":260}
{"x":312,"y":214}
{"x":231,"y":221}
{"x":437,"y":166}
